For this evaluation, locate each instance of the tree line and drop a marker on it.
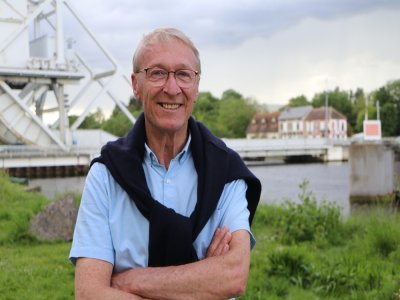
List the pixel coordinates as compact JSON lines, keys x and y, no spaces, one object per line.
{"x":230,"y":115}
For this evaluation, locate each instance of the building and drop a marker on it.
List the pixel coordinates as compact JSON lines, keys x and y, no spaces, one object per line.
{"x":299,"y":122}
{"x":321,"y":118}
{"x":292,"y":122}
{"x":263,"y":125}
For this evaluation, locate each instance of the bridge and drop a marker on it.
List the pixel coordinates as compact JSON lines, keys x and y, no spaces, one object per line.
{"x":261,"y":149}
{"x":39,"y":161}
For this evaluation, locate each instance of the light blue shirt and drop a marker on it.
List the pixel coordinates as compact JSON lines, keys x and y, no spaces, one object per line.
{"x":111,"y":228}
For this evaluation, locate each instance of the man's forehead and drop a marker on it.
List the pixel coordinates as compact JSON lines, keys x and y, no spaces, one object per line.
{"x":172,"y":51}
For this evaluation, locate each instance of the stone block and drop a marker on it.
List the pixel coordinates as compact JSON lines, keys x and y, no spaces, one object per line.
{"x":56,"y":221}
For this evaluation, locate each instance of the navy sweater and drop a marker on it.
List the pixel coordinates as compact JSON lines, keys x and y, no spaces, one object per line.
{"x":171,"y":235}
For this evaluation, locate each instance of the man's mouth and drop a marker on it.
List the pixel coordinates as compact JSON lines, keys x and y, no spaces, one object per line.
{"x":170,"y":106}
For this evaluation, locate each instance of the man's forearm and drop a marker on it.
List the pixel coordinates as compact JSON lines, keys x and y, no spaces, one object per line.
{"x":92,"y":281}
{"x":218,"y":277}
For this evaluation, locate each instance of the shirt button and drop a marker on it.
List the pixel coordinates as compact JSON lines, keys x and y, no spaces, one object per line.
{"x":167,"y":181}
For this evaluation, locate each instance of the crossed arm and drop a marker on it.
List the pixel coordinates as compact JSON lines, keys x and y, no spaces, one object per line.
{"x":221,"y":275}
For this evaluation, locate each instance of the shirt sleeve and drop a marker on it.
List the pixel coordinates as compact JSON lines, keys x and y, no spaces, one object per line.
{"x":92,"y":237}
{"x":233,"y":209}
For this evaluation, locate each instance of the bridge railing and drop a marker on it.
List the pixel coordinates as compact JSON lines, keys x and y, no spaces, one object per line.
{"x":10,"y":151}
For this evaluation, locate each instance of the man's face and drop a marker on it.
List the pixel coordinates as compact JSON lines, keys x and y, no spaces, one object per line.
{"x":167,"y":108}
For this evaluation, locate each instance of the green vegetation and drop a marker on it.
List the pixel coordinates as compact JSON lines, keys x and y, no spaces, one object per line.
{"x":16,"y":210}
{"x":36,"y":271}
{"x":303,"y":251}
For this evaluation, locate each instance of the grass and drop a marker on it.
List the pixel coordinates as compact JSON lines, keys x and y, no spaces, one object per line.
{"x":16,"y":210}
{"x":29,"y":269}
{"x":38,"y":271}
{"x":303,"y":251}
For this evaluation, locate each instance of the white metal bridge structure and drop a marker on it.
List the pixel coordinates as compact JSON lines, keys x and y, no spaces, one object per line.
{"x":40,"y":70}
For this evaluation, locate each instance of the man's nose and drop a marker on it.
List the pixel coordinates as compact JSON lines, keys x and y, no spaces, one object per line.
{"x":171,"y":85}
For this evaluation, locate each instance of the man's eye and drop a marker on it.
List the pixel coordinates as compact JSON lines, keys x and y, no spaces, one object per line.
{"x":183,"y":74}
{"x":157,"y":73}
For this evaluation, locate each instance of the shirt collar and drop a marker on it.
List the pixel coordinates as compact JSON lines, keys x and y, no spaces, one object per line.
{"x":181,"y":157}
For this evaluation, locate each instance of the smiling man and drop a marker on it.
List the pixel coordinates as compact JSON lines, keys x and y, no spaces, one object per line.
{"x":166,"y":210}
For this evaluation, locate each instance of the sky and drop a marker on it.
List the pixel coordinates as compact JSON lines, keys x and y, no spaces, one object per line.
{"x":268,"y":50}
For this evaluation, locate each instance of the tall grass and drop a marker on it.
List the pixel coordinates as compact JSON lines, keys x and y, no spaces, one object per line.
{"x":303,"y":251}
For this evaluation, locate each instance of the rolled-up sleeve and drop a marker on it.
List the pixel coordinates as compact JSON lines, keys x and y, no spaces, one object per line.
{"x":233,"y":208}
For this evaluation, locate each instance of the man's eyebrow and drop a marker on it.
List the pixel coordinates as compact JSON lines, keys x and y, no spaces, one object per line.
{"x":180,"y":66}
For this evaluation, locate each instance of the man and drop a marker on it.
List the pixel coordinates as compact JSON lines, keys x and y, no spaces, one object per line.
{"x":157,"y":204}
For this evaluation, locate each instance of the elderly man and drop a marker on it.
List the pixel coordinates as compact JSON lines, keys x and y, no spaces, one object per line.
{"x":166,"y":210}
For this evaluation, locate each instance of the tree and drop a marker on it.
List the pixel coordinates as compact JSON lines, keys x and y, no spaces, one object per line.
{"x":227,"y":117}
{"x":118,"y":124}
{"x":92,"y":121}
{"x":388,"y":98}
{"x":299,"y":101}
{"x":358,"y":99}
{"x":206,"y":110}
{"x":235,"y":114}
{"x":231,"y":94}
{"x":339,"y":100}
{"x":389,"y":117}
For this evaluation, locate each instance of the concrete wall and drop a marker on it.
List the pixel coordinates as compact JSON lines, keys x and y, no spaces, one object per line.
{"x":372,"y":170}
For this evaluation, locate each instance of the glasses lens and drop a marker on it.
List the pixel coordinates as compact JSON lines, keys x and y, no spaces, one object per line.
{"x":184,"y":78}
{"x":156,"y":74}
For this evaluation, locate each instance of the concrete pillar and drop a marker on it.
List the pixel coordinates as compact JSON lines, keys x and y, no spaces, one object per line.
{"x":372,"y":172}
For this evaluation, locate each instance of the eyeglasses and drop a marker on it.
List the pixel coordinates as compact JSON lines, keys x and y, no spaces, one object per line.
{"x":158,"y":76}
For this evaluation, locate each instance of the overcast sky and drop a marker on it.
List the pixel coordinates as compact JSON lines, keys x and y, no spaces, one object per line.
{"x":265,"y":49}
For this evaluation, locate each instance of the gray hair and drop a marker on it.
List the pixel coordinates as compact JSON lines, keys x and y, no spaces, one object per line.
{"x":163,"y":35}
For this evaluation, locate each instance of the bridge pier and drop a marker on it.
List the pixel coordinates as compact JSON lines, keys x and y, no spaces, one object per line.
{"x":374,"y":172}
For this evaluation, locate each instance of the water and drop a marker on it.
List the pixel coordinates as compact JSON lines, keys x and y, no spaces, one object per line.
{"x":52,"y":187}
{"x":327,"y":181}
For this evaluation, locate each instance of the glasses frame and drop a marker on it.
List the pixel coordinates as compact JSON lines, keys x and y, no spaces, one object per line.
{"x":163,"y":82}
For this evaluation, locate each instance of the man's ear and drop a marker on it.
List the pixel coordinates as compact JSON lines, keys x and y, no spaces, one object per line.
{"x":135,"y":86}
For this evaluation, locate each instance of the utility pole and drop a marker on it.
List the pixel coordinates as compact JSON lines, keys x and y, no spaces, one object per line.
{"x":326,"y":111}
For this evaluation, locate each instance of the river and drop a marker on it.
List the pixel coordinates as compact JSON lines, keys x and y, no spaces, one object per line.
{"x":327,"y":182}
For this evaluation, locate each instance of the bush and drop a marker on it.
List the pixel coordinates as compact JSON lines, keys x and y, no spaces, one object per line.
{"x":383,"y":235}
{"x":306,"y":251}
{"x":292,"y":264}
{"x":308,"y":221}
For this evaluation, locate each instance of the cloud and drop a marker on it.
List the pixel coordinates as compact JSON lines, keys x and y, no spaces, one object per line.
{"x":218,"y":23}
{"x":272,"y":50}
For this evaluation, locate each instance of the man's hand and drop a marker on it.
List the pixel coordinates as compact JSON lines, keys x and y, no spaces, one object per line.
{"x":219,"y":243}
